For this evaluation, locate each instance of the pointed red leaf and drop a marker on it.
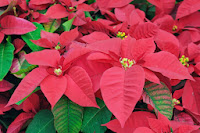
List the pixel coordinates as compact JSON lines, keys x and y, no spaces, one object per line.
{"x":4,"y":3}
{"x":112,"y":3}
{"x":136,"y":119}
{"x":145,"y":30}
{"x":105,"y":46}
{"x":187,"y":7}
{"x":1,"y":37}
{"x":143,"y":130}
{"x":162,"y":124}
{"x":41,"y":2}
{"x":191,"y":97}
{"x":151,"y":76}
{"x":182,"y":127}
{"x":183,"y":117}
{"x":167,"y":64}
{"x":14,"y":25}
{"x":32,"y":104}
{"x":19,"y":44}
{"x":43,"y":42}
{"x":57,"y":11}
{"x":3,"y":102}
{"x":136,"y":17}
{"x":122,"y":14}
{"x":52,"y":37}
{"x":19,"y":121}
{"x":85,"y":7}
{"x":166,"y":6}
{"x":44,"y":58}
{"x":193,"y":51}
{"x":74,"y":53}
{"x":68,"y":36}
{"x":142,"y":47}
{"x":171,"y":44}
{"x":53,"y":88}
{"x":122,"y":89}
{"x":5,"y":86}
{"x":79,"y":88}
{"x":28,"y":84}
{"x":95,"y":36}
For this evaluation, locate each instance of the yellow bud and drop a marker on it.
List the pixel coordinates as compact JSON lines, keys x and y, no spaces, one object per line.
{"x":175,"y":28}
{"x":58,"y":71}
{"x":127,"y":63}
{"x":175,"y":101}
{"x":57,"y":47}
{"x":184,"y":60}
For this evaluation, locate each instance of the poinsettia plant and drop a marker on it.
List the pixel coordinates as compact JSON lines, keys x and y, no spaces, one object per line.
{"x":100,"y":66}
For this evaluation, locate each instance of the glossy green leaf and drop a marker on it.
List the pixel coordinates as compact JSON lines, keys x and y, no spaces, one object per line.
{"x":68,"y":116}
{"x":21,"y":101}
{"x":43,"y":122}
{"x":159,"y":96}
{"x":34,"y":35}
{"x":68,"y":24}
{"x":6,"y":58}
{"x":52,"y":26}
{"x":94,"y":117}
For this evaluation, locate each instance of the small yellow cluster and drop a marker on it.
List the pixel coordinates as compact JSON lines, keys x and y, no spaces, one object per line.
{"x":175,"y":101}
{"x":58,"y":71}
{"x":57,"y":47}
{"x":184,"y":60}
{"x":175,"y":27}
{"x":121,"y":35}
{"x":127,"y":63}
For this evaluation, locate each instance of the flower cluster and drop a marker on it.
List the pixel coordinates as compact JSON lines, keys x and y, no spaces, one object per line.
{"x":92,"y":65}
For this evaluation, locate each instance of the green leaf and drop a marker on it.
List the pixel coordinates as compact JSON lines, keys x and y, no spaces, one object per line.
{"x":52,"y":26}
{"x":159,"y":96}
{"x":43,"y":122}
{"x":68,"y":24}
{"x":94,"y":117}
{"x":68,"y":116}
{"x":151,"y":12}
{"x":91,"y":1}
{"x":26,"y":67}
{"x":6,"y":58}
{"x":87,"y":14}
{"x":21,"y":101}
{"x":34,"y":35}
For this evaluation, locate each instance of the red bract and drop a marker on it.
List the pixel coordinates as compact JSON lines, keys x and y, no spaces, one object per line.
{"x":136,"y":119}
{"x":14,"y":25}
{"x":53,"y":74}
{"x":21,"y":119}
{"x":51,"y":40}
{"x":63,"y":10}
{"x":163,"y":6}
{"x":5,"y":86}
{"x":187,"y":7}
{"x":191,"y":97}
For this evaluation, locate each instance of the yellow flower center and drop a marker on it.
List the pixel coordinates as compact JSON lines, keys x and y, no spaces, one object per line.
{"x":184,"y":60}
{"x":121,"y":35}
{"x":127,"y":63}
{"x":71,"y":9}
{"x":175,"y":101}
{"x":57,"y":47}
{"x":175,"y":27}
{"x":58,"y":71}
